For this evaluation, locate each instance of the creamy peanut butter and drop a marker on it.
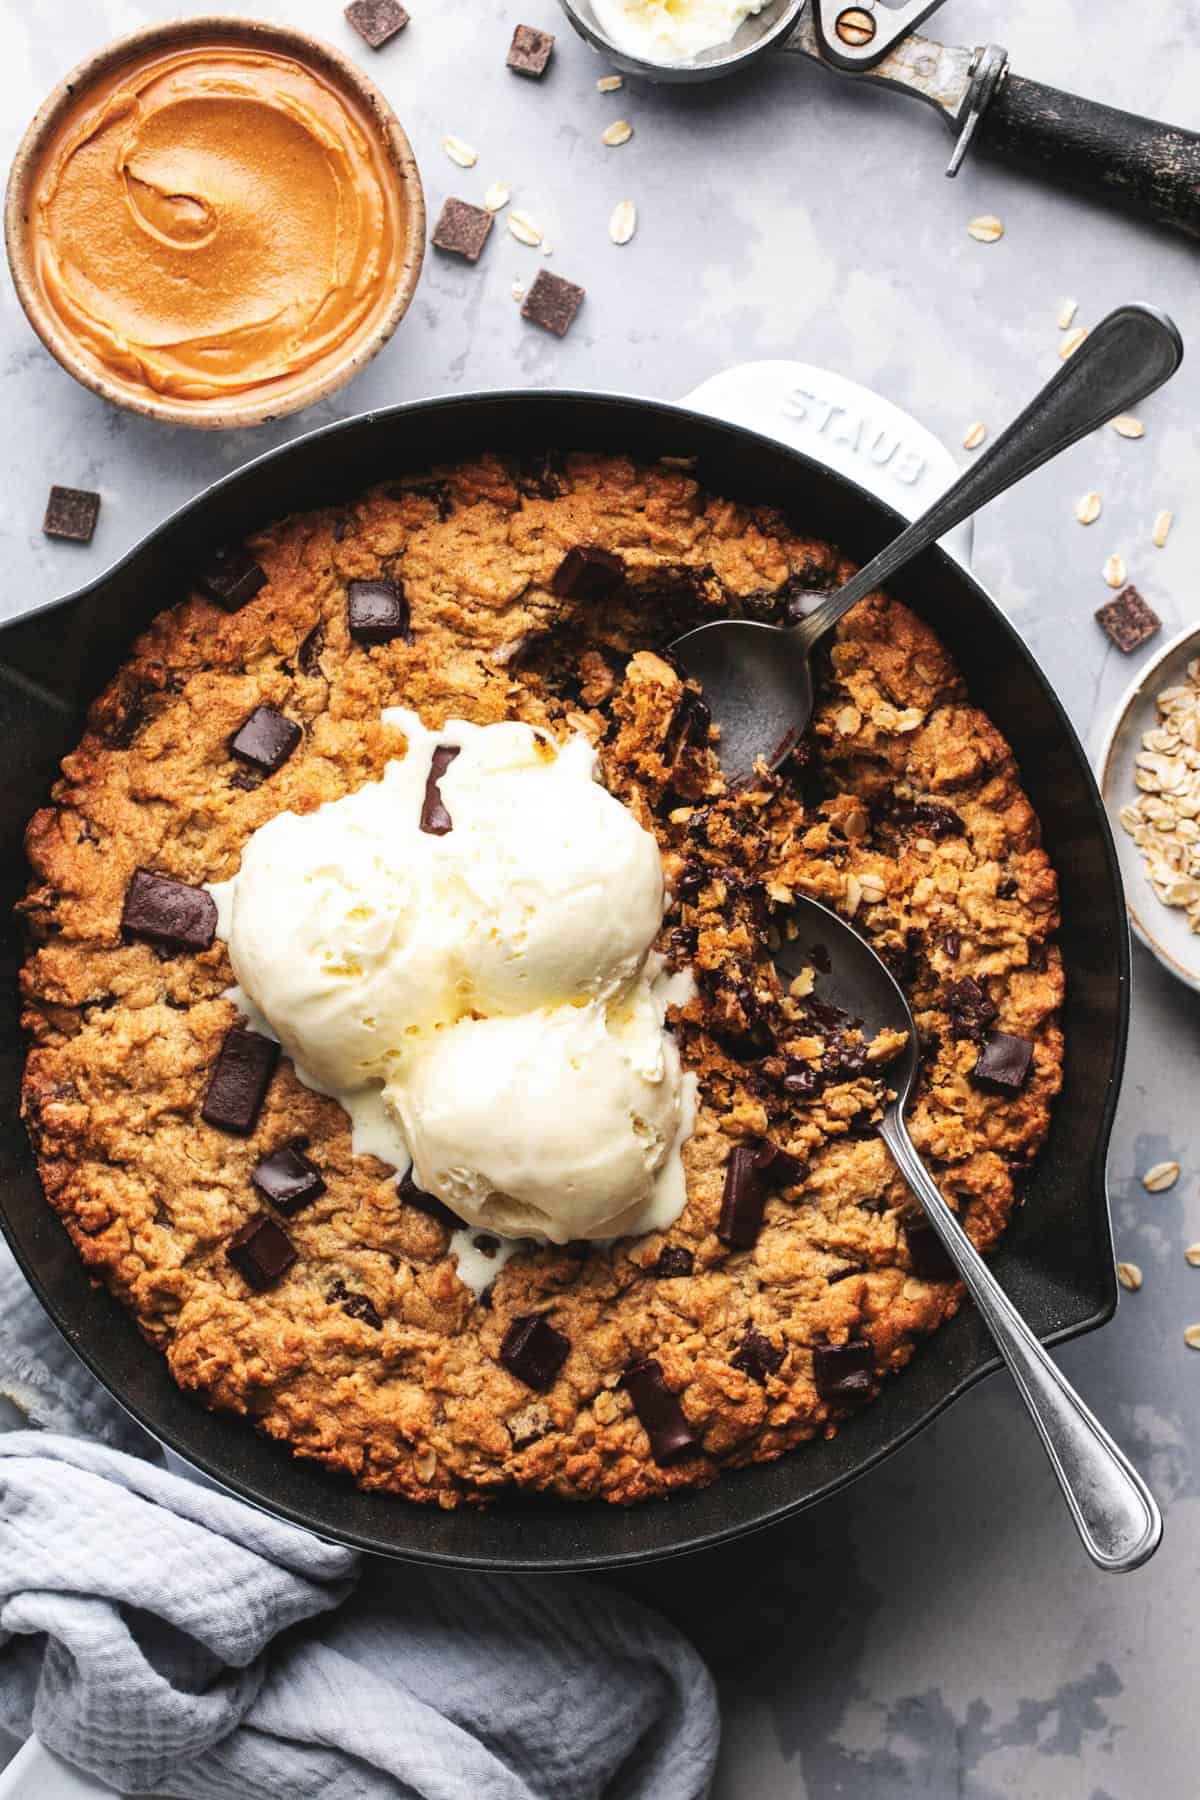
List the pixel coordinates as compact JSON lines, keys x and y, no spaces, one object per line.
{"x":214,"y":220}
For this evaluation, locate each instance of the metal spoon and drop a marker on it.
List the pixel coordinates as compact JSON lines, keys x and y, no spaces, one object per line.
{"x":1114,"y":1512}
{"x":757,"y":678}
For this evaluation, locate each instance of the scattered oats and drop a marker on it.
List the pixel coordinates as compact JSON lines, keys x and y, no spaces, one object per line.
{"x":517,"y":291}
{"x":1114,"y":571}
{"x":1162,"y":527}
{"x":608,"y":84}
{"x":497,"y":197}
{"x":1162,"y":1176}
{"x":853,"y":893}
{"x":1087,"y":510}
{"x":623,"y":223}
{"x":460,"y":153}
{"x":1129,"y":1276}
{"x":910,"y":718}
{"x":803,"y":985}
{"x":975,"y":435}
{"x":848,"y":720}
{"x":524,"y":229}
{"x":679,"y":815}
{"x":778,"y":891}
{"x":547,"y":247}
{"x":1191,"y":1337}
{"x":873,"y":889}
{"x":1072,"y":341}
{"x":1125,"y":425}
{"x":1192,"y":1255}
{"x":619,"y":132}
{"x":1066,"y":314}
{"x":605,"y":1407}
{"x":986,"y":228}
{"x":425,"y":1464}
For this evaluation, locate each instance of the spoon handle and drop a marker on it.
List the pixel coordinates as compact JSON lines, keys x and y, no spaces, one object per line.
{"x":1124,"y":358}
{"x":1114,"y":1512}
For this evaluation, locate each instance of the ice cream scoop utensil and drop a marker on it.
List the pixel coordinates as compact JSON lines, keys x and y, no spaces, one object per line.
{"x":757,"y":679}
{"x":1114,"y":1512}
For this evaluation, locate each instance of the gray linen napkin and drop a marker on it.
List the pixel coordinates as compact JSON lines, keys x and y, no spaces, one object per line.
{"x":167,"y":1637}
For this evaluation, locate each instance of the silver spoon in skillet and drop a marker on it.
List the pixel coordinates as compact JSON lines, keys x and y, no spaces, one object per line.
{"x":1114,"y":1512}
{"x":757,"y":679}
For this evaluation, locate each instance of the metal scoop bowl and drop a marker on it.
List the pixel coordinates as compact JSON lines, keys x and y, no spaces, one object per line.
{"x":766,"y":30}
{"x":757,"y":679}
{"x":1114,"y":1512}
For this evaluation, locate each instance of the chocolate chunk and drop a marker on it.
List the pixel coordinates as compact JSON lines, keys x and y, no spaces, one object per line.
{"x":1003,"y":1063}
{"x":288,"y":1180}
{"x":168,"y":912}
{"x":802,"y":1081}
{"x":777,"y":1167}
{"x":843,"y":1373}
{"x":970,"y":1007}
{"x":266,"y":740}
{"x":434,"y":818}
{"x":376,"y":611}
{"x":552,"y":303}
{"x":1127,"y":621}
{"x":240,"y":1081}
{"x":530,"y":51}
{"x":231,"y":577}
{"x":588,"y":573}
{"x":378,"y":21}
{"x":744,"y":1199}
{"x":659,"y":1411}
{"x":261,"y":1252}
{"x":486,"y":1244}
{"x":429,"y":1204}
{"x":462,"y":230}
{"x":309,"y":654}
{"x":929,"y":818}
{"x":758,"y":1357}
{"x":534,"y":1352}
{"x":71,"y":513}
{"x":952,"y":945}
{"x":355,"y":1305}
{"x":673,"y":1260}
{"x":927,"y":1253}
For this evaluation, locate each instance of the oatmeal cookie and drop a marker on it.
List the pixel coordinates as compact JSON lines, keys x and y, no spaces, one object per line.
{"x":544,"y":592}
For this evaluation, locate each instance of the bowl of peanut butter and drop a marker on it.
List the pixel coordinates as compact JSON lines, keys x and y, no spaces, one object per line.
{"x":215,"y":222}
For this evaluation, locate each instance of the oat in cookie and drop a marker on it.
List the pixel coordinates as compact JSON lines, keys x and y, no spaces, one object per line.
{"x":687,"y":1351}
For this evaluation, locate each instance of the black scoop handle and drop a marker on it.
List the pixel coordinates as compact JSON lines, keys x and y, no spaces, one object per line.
{"x":1144,"y":167}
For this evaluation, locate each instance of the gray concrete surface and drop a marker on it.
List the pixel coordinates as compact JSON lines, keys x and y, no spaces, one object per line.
{"x":936,"y":1633}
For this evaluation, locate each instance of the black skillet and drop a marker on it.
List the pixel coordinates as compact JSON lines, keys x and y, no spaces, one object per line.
{"x":1055,"y":1260}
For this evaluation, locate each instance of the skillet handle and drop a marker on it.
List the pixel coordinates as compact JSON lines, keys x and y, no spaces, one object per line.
{"x":1114,"y":1511}
{"x":1117,"y":157}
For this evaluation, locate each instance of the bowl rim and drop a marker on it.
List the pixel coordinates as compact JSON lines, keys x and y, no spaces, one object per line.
{"x":1137,"y":689}
{"x":277,"y":1495}
{"x":306,"y":48}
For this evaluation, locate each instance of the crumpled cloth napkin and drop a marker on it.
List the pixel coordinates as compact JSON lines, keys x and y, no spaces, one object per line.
{"x":171,"y":1639}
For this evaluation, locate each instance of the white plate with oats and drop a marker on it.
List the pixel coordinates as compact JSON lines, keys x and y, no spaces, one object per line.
{"x":1149,"y":774}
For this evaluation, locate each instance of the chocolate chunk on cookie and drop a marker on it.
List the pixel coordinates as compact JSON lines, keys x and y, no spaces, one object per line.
{"x":429,"y":1204}
{"x":376,"y":611}
{"x":168,"y":913}
{"x":288,"y":1180}
{"x":927,"y":1254}
{"x":843,"y":1373}
{"x":660,"y":1413}
{"x":530,"y":51}
{"x":1003,"y":1063}
{"x":231,"y":577}
{"x":240,"y":1081}
{"x":261,"y":1252}
{"x":266,"y":740}
{"x":674,"y":1260}
{"x":534,"y":1352}
{"x":435,"y":819}
{"x":587,"y":572}
{"x":758,"y":1357}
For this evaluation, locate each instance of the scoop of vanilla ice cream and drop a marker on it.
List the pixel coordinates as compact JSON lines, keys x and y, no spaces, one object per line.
{"x":671,"y":31}
{"x":554,"y":1123}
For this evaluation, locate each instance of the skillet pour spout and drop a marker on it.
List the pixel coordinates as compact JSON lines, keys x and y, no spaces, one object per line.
{"x":1056,"y":1258}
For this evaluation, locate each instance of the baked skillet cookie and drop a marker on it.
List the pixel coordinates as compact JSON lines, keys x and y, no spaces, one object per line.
{"x":799,"y":1272}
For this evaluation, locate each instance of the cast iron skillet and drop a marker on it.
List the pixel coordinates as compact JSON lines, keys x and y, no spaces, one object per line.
{"x":1056,"y":1260}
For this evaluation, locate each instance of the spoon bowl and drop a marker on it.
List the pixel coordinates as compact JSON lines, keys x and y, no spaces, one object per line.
{"x":757,"y":34}
{"x":1114,"y":1512}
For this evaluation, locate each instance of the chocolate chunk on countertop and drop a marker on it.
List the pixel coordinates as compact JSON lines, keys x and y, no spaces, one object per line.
{"x":261,"y":1252}
{"x":168,"y":913}
{"x":231,"y":577}
{"x":240,"y":1081}
{"x":377,"y":21}
{"x":534,"y":1352}
{"x":552,"y":303}
{"x":530,"y":51}
{"x":462,"y":229}
{"x":266,"y":740}
{"x":71,"y":513}
{"x":1128,"y":622}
